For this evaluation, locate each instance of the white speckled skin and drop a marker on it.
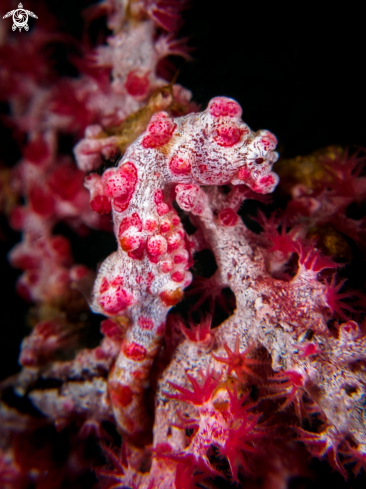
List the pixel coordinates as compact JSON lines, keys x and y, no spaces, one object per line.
{"x":214,"y":147}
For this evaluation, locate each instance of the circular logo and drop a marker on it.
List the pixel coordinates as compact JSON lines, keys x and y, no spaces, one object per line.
{"x":20,"y":19}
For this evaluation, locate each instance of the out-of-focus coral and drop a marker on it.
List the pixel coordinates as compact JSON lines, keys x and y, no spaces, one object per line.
{"x":234,"y":383}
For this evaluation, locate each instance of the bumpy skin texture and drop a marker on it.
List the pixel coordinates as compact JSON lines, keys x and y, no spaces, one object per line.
{"x":149,"y":271}
{"x":276,"y":315}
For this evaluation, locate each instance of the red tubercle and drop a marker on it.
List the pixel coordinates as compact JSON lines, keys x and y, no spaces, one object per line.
{"x":33,"y":277}
{"x":228,"y":135}
{"x":138,"y":253}
{"x":25,"y":261}
{"x":61,"y":246}
{"x":78,"y":272}
{"x":162,"y":209}
{"x":158,"y":196}
{"x":41,"y":200}
{"x":175,"y":220}
{"x":101,"y":204}
{"x":139,"y":279}
{"x":115,"y":300}
{"x":66,"y":180}
{"x":145,"y":323}
{"x":180,"y":166}
{"x":181,"y":257}
{"x":160,"y":131}
{"x":228,"y":217}
{"x":268,"y":141}
{"x":136,"y":84}
{"x":224,"y":107}
{"x":17,"y":217}
{"x":244,"y":173}
{"x":165,"y":226}
{"x":134,"y":351}
{"x":100,"y":354}
{"x":129,"y":221}
{"x":37,"y":151}
{"x":104,"y":286}
{"x":266,"y":182}
{"x":174,"y":240}
{"x":131,"y":241}
{"x":22,"y":289}
{"x":202,"y":168}
{"x":120,"y":185}
{"x":178,"y":276}
{"x":160,"y":329}
{"x":120,"y":394}
{"x":111,"y":329}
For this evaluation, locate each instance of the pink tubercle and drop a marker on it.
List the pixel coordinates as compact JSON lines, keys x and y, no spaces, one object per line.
{"x":130,"y":221}
{"x":131,"y":241}
{"x":175,"y":221}
{"x":101,"y":204}
{"x":115,"y":300}
{"x":244,"y":173}
{"x":160,"y":131}
{"x":265,"y":184}
{"x":180,"y":166}
{"x":150,"y":225}
{"x":228,"y":217}
{"x":224,"y":107}
{"x":228,"y":135}
{"x":157,"y":245}
{"x":120,"y":185}
{"x":166,"y":266}
{"x":174,"y":239}
{"x":178,"y":276}
{"x":162,"y":209}
{"x":165,"y":226}
{"x":181,"y":256}
{"x":138,"y":253}
{"x":268,"y":141}
{"x":111,"y":329}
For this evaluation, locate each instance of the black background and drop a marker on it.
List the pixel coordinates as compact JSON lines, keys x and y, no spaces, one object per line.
{"x":296,"y":71}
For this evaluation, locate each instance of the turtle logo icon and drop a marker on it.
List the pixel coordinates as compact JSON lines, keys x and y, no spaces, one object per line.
{"x":20,"y":18}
